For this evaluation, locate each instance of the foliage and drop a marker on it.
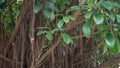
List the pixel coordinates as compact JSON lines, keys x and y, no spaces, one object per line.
{"x":5,"y":15}
{"x":102,"y":15}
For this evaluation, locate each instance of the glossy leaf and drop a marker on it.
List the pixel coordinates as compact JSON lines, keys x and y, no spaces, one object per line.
{"x":86,"y":30}
{"x":110,"y":40}
{"x":67,"y":39}
{"x":98,"y":18}
{"x":49,"y":36}
{"x":60,"y":23}
{"x":37,"y":7}
{"x":66,"y":19}
{"x":107,"y":4}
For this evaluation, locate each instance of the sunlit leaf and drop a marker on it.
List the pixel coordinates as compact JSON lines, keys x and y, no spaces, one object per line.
{"x":66,"y":19}
{"x":110,"y":40}
{"x":67,"y":39}
{"x":88,"y":15}
{"x":72,"y":17}
{"x":98,"y":18}
{"x":49,"y":36}
{"x":60,"y":23}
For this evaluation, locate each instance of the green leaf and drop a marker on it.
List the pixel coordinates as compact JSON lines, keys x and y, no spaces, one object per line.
{"x":47,"y":13}
{"x":37,"y":7}
{"x":115,"y":27}
{"x":66,"y":19}
{"x":118,"y":18}
{"x":52,"y":6}
{"x":114,"y":50}
{"x":97,"y":5}
{"x":67,"y":39}
{"x":105,"y":49}
{"x":49,"y":36}
{"x":110,"y":40}
{"x":117,"y":4}
{"x":86,"y":30}
{"x":107,"y":4}
{"x":52,"y":16}
{"x":98,"y":18}
{"x":42,"y":32}
{"x":73,"y":8}
{"x":109,"y":14}
{"x":72,"y":17}
{"x":88,"y":15}
{"x":54,"y":30}
{"x":60,"y":23}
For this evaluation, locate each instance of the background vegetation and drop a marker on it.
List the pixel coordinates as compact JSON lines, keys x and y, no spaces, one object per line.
{"x":81,"y":33}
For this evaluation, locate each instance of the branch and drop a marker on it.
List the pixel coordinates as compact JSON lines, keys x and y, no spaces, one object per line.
{"x":20,"y":20}
{"x":56,"y":42}
{"x":70,"y":26}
